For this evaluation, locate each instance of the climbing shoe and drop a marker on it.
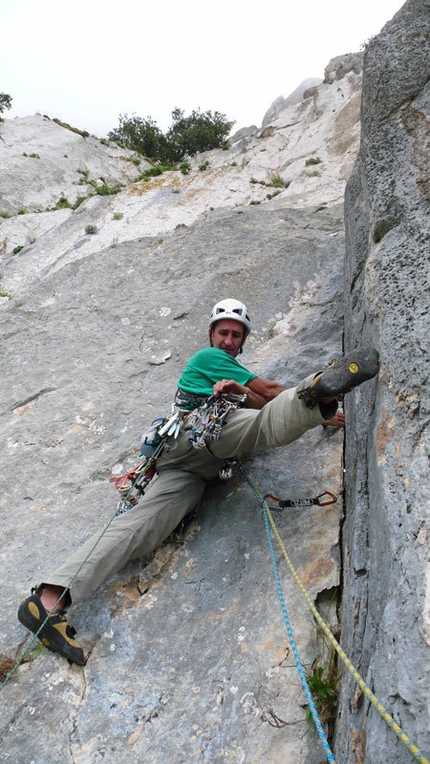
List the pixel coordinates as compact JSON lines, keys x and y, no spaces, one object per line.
{"x":341,"y":377}
{"x":56,"y":634}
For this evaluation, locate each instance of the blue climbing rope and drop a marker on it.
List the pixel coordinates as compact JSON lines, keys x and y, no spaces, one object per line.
{"x":288,"y":626}
{"x":292,"y":640}
{"x":351,"y":668}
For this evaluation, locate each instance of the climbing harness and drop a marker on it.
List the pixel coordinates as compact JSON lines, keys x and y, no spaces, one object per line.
{"x":270,"y":525}
{"x":203,"y":422}
{"x":316,"y":500}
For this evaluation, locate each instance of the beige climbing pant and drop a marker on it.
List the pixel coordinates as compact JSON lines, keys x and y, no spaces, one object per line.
{"x":182,"y":474}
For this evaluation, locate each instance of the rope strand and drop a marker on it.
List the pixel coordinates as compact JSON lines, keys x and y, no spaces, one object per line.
{"x":360,"y":681}
{"x":292,"y":641}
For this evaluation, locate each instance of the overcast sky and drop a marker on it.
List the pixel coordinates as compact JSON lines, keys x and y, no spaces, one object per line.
{"x":89,"y":61}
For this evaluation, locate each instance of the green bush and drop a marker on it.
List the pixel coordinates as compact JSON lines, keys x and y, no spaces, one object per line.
{"x":201,"y":131}
{"x":62,"y":203}
{"x":323,"y":686}
{"x":79,"y":201}
{"x":198,"y":132}
{"x":185,"y":167}
{"x":5,"y":103}
{"x":104,"y":189}
{"x":141,"y":135}
{"x":313,"y":160}
{"x":152,"y":172}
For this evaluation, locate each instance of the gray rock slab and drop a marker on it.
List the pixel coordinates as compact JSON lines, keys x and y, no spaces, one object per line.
{"x":191,"y":661}
{"x":42,"y":161}
{"x":259,"y":168}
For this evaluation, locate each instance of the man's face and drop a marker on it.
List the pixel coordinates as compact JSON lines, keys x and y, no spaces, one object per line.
{"x":228,"y":335}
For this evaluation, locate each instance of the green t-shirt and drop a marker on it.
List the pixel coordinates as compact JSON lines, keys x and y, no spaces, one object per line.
{"x":208,"y":366}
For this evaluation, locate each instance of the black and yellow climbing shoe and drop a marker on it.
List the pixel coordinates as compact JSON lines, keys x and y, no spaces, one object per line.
{"x":56,"y":634}
{"x":340,"y":378}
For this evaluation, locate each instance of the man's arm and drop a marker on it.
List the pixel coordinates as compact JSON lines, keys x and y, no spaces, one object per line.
{"x":265,"y":388}
{"x":258,"y":392}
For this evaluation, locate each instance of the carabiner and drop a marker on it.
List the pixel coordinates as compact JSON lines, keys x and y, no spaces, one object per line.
{"x":332,"y":500}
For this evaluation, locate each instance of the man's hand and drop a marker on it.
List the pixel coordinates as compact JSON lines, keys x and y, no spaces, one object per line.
{"x":337,"y":421}
{"x":229,"y":386}
{"x":253,"y":399}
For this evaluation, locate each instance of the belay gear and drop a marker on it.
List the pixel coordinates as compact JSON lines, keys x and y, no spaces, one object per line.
{"x":151,"y":439}
{"x":204,"y":418}
{"x":301,"y":502}
{"x":205,"y":421}
{"x":132,"y":485}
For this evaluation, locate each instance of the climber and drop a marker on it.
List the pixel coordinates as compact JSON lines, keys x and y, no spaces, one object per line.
{"x":269,"y":416}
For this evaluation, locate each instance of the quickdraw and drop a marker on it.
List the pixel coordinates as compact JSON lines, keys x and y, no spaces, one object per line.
{"x":132,"y":485}
{"x":301,"y":502}
{"x":206,"y":421}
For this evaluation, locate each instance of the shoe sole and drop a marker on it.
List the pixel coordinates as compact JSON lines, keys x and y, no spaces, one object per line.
{"x":341,"y":378}
{"x":32,"y":615}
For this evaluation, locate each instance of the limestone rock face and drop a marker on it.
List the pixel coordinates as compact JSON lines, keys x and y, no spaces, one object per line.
{"x":94,"y":351}
{"x":189,"y":656}
{"x":303,"y":159}
{"x":386,"y":538}
{"x":340,"y":66}
{"x":42,"y":162}
{"x":295,"y":97}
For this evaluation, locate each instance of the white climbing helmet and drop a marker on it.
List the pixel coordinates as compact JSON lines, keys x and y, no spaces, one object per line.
{"x":231,"y":309}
